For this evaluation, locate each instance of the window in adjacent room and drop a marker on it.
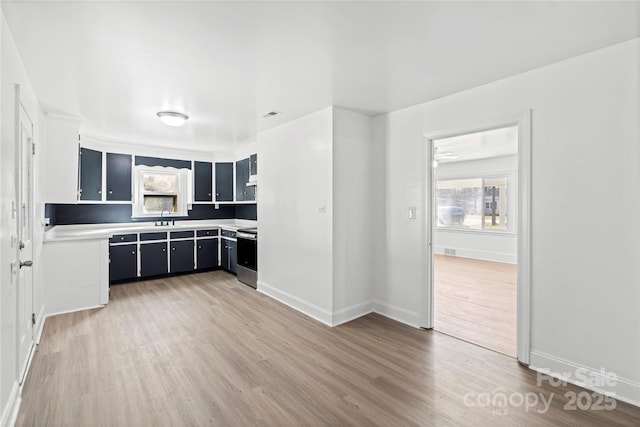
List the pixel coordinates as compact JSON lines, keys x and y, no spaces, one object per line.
{"x":473,"y":203}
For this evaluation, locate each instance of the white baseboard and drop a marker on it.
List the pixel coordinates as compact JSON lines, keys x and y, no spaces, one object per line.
{"x":73,"y":310}
{"x":343,"y":315}
{"x":399,"y":314}
{"x":622,"y":389}
{"x":12,"y":407}
{"x":482,"y":255}
{"x":352,"y":312}
{"x":311,"y":310}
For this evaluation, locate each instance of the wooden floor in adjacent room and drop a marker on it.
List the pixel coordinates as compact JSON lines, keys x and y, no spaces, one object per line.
{"x":475,"y":300}
{"x":204,"y":349}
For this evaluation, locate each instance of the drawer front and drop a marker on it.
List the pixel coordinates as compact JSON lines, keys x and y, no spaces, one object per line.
{"x":229,"y":233}
{"x":122,"y":238}
{"x":205,"y":233}
{"x":153,"y":236}
{"x":181,"y":234}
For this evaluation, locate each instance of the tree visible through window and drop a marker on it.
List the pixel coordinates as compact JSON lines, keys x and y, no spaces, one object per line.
{"x":475,"y":204}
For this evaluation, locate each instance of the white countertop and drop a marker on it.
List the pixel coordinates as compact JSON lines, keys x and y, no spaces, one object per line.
{"x":105,"y":231}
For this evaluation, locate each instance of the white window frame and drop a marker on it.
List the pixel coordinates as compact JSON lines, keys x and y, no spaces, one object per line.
{"x":510,"y":176}
{"x":183,"y":191}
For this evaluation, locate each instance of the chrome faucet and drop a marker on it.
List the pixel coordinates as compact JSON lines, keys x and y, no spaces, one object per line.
{"x":162,"y":222}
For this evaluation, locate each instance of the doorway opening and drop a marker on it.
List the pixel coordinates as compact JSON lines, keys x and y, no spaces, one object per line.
{"x":477,"y":236}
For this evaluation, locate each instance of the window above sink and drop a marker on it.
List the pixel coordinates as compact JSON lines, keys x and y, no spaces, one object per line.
{"x":161,"y":191}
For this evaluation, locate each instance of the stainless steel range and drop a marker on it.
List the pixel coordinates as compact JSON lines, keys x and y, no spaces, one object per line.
{"x":247,"y":239}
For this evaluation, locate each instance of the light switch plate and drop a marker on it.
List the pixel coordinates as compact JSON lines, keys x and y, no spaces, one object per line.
{"x":412,"y":212}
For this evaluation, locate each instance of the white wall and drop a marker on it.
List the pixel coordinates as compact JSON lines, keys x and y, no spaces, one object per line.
{"x":488,"y":246}
{"x":12,"y":73}
{"x":60,"y":163}
{"x":295,"y":184}
{"x":316,"y":214}
{"x":585,"y":293}
{"x":353,"y":209}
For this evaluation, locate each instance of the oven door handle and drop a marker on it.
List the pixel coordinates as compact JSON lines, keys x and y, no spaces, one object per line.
{"x":248,"y":236}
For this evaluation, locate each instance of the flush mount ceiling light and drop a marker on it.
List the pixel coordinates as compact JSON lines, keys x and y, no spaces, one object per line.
{"x":171,"y":118}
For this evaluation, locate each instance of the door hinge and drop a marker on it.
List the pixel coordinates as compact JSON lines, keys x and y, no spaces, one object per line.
{"x":33,"y":148}
{"x":33,"y":319}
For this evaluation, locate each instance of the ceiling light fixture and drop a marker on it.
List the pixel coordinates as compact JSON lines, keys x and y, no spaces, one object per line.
{"x":171,"y":118}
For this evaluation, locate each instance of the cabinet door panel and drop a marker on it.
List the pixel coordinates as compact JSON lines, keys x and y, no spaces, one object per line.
{"x":123,"y":262}
{"x":207,"y":252}
{"x":153,"y":259}
{"x":181,"y":256}
{"x":90,"y":174}
{"x":224,"y":182}
{"x":224,"y":247}
{"x":253,"y":164}
{"x":241,"y":166}
{"x":250,"y":192}
{"x":118,"y":177}
{"x":233,"y":257}
{"x":203,"y":181}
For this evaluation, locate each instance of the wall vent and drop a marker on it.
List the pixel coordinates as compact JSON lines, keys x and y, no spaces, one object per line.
{"x":450,"y":251}
{"x":270,"y":114}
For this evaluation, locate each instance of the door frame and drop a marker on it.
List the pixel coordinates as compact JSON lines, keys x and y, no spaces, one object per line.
{"x":523,"y":317}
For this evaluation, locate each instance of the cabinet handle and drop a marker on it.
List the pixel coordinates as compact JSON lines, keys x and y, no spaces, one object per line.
{"x":164,"y":249}
{"x":173,"y":249}
{"x":133,"y":252}
{"x":122,"y":238}
{"x":217,"y":194}
{"x":199,"y":247}
{"x":99,"y":191}
{"x":110,"y":192}
{"x":209,"y":194}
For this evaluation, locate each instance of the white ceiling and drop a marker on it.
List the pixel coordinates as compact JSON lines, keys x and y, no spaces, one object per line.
{"x":225,"y":64}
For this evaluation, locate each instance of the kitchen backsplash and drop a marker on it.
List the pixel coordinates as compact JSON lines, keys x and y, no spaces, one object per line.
{"x":66,"y":214}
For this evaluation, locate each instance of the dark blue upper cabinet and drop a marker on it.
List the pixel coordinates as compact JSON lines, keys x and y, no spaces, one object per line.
{"x":224,"y":182}
{"x":203,"y":181}
{"x":119,"y":177}
{"x":253,"y":164}
{"x":90,"y":174}
{"x":240,"y":180}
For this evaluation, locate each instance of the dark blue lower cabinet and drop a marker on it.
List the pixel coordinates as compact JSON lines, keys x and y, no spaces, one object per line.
{"x":233,"y":257}
{"x":123,"y":262}
{"x":182,"y":256}
{"x":229,"y":255}
{"x":153,"y":259}
{"x":207,"y":251}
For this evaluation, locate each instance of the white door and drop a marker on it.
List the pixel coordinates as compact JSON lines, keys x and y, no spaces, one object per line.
{"x":25,"y":217}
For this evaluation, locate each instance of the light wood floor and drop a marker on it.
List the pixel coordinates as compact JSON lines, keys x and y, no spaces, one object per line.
{"x":204,"y":349}
{"x":475,"y":300}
